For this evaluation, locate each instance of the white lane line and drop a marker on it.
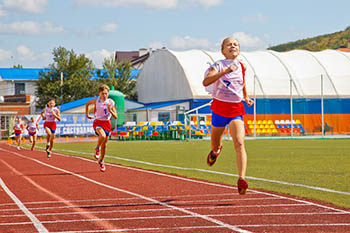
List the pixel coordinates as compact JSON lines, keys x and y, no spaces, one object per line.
{"x":218,"y":173}
{"x":300,"y":225}
{"x":160,"y":209}
{"x":206,"y":183}
{"x":215,"y":221}
{"x":55,"y":196}
{"x":169,"y":229}
{"x":198,"y":181}
{"x":37,"y":224}
{"x":126,"y":198}
{"x":150,"y":218}
{"x":146,"y":210}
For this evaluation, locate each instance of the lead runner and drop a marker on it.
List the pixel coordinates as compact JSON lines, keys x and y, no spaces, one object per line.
{"x":104,"y":109}
{"x":225,"y":81}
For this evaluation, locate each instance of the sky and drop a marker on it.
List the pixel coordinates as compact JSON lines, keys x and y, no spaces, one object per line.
{"x":31,"y":29}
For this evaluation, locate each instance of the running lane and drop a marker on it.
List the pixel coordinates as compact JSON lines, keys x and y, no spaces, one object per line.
{"x":69,"y":194}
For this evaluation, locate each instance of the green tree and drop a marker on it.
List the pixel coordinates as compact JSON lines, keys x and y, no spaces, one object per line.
{"x":68,"y":78}
{"x":19,"y":66}
{"x":118,"y":75}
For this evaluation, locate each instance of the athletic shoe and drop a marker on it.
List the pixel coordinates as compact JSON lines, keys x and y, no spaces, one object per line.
{"x":212,"y":156}
{"x":242,"y":186}
{"x":48,"y":154}
{"x":32,"y":149}
{"x":97,"y":153}
{"x":102,"y":166}
{"x":18,"y":148}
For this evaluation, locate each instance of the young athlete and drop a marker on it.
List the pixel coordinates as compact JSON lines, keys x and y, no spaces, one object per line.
{"x":104,"y":109}
{"x":31,"y":128}
{"x":50,"y":114}
{"x":225,"y":81}
{"x":18,"y":128}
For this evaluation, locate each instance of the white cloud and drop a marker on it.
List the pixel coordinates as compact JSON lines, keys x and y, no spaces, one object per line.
{"x":153,"y":4}
{"x":249,"y":42}
{"x":32,"y":6}
{"x":159,"y":4}
{"x":109,"y":28}
{"x":3,"y":12}
{"x":210,"y":3}
{"x":5,"y":55}
{"x":257,"y":18}
{"x":156,"y":45}
{"x":98,"y":56}
{"x":29,"y":28}
{"x":189,"y":42}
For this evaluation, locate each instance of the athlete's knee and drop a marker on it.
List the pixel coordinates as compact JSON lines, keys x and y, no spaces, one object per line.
{"x":238,"y":143}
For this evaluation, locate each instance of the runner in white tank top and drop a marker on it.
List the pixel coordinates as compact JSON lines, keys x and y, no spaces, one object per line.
{"x":18,"y":127}
{"x":50,"y":114}
{"x":31,"y":128}
{"x":104,"y":108}
{"x":225,"y":82}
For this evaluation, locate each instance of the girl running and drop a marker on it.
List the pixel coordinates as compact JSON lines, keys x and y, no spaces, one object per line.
{"x":18,"y":128}
{"x":104,"y":109}
{"x":50,"y":114}
{"x":31,"y":128}
{"x":225,"y":81}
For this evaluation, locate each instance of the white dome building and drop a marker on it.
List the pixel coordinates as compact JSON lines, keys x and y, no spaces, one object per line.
{"x":170,"y":75}
{"x":287,"y":85}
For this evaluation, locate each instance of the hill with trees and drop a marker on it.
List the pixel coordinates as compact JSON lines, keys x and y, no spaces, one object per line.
{"x":328,"y":41}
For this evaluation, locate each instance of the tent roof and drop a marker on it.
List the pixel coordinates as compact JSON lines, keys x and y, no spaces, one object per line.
{"x":173,"y":75}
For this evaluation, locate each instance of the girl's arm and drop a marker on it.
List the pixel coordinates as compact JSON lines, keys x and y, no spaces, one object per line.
{"x":213,"y":75}
{"x":41,"y":115}
{"x":57,"y":115}
{"x":113,"y":111}
{"x":248,"y":100}
{"x":90,"y":102}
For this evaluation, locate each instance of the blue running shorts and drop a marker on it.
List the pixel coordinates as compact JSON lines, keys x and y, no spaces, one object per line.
{"x":220,"y":121}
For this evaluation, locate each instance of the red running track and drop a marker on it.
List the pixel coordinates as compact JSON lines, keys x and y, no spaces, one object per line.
{"x":70,"y":194}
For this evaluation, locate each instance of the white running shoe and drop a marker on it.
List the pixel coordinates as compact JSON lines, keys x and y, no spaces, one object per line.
{"x":102,"y":166}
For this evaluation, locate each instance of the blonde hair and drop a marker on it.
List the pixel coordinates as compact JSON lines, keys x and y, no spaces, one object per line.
{"x":103,"y":87}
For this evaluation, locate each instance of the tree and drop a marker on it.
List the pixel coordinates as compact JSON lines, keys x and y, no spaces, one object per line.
{"x":76,"y":83}
{"x":19,"y":66}
{"x":118,"y":75}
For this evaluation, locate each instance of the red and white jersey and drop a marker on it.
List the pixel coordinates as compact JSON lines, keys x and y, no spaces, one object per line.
{"x":18,"y":126}
{"x":31,"y":126}
{"x":101,"y":109}
{"x":229,"y":87}
{"x":48,"y":114}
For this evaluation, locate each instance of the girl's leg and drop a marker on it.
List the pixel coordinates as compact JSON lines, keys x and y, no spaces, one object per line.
{"x":33,"y":138}
{"x":216,"y":144}
{"x":216,"y":137}
{"x":18,"y":140}
{"x":103,"y":147}
{"x":102,"y":141}
{"x":48,"y":139}
{"x":237,"y":133}
{"x":101,"y":136}
{"x":52,"y":139}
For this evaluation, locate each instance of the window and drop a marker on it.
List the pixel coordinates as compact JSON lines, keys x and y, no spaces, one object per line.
{"x":134,"y":117}
{"x":164,"y":116}
{"x":20,"y":88}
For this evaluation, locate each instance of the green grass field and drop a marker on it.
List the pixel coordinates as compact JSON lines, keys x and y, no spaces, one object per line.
{"x":323,"y":163}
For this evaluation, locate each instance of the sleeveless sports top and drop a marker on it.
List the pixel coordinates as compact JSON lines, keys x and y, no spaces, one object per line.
{"x":101,"y":109}
{"x":48,"y":114}
{"x":31,"y":127}
{"x":18,"y":126}
{"x":229,"y":87}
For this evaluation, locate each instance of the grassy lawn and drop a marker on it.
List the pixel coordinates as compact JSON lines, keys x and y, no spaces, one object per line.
{"x":321,"y":163}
